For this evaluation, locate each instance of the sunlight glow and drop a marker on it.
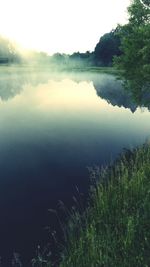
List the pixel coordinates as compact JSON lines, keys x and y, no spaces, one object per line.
{"x":60,"y":25}
{"x":57,"y":97}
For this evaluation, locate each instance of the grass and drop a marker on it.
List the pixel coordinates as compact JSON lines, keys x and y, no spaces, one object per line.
{"x":114,"y":230}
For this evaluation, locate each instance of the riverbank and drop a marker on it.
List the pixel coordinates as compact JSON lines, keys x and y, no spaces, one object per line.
{"x":95,"y":69}
{"x":54,"y":68}
{"x":114,"y":229}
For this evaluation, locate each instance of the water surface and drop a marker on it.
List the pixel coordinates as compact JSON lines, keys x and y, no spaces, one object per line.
{"x":52,"y":127}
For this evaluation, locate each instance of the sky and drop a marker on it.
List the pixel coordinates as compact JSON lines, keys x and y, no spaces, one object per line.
{"x":63,"y":26}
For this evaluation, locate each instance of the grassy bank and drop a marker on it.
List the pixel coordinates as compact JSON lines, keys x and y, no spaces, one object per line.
{"x":54,"y":68}
{"x":114,"y":231}
{"x":93,"y":69}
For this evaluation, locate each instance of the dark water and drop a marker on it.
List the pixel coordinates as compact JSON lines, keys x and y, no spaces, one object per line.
{"x":52,"y":127}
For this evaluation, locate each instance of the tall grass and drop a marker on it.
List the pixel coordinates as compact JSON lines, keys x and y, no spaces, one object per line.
{"x":114,"y":231}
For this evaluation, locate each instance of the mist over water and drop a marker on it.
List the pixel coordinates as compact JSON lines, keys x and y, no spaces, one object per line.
{"x":52,"y":127}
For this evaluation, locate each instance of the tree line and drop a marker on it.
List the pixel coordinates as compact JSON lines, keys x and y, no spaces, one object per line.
{"x":8,"y":51}
{"x":127,"y":48}
{"x":135,"y":46}
{"x":106,"y":48}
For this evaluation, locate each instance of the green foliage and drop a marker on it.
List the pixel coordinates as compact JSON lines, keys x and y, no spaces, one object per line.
{"x":114,"y":230}
{"x":139,"y":14}
{"x":107,"y":48}
{"x":135,"y":45}
{"x":75,"y":60}
{"x":8,"y":52}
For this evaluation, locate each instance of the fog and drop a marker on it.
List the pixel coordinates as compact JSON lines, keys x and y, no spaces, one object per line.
{"x":14,"y":78}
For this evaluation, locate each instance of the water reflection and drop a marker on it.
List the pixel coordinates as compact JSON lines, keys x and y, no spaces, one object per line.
{"x":14,"y":78}
{"x":50,"y":131}
{"x":112,"y":90}
{"x":13,"y":81}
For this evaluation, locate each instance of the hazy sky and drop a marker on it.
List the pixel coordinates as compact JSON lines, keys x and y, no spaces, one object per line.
{"x":60,"y":25}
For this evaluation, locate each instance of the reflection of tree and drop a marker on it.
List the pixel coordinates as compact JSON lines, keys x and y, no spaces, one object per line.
{"x":10,"y":87}
{"x":112,"y":90}
{"x":107,"y":86}
{"x":12,"y":82}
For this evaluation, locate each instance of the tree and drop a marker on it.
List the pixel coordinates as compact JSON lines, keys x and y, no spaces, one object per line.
{"x":135,"y":45}
{"x":107,"y":48}
{"x":8,"y":52}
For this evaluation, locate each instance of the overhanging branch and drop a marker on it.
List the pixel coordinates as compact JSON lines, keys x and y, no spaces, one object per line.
{"x":145,"y":3}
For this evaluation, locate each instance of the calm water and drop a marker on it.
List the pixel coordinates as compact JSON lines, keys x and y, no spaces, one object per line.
{"x":52,"y":127}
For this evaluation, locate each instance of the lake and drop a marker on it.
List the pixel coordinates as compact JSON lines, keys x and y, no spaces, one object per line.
{"x":53,"y":126}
